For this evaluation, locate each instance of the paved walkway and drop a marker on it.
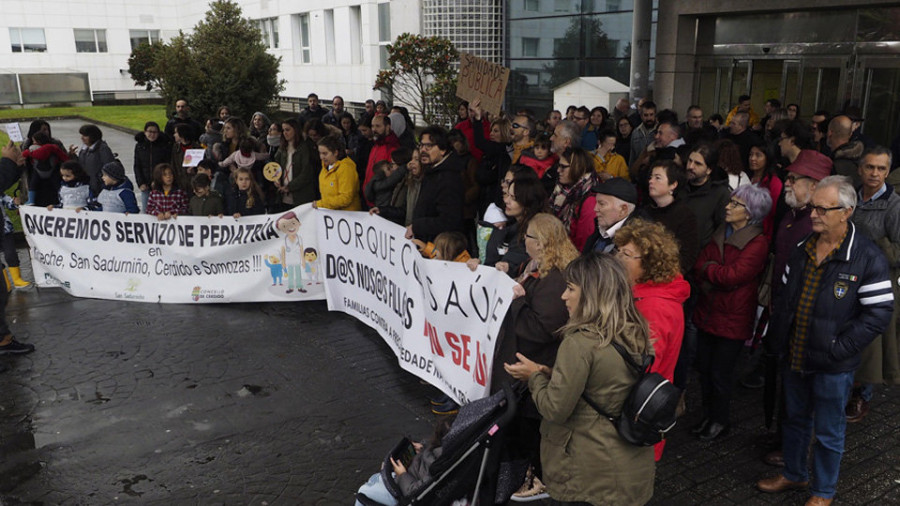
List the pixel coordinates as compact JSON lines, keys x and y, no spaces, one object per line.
{"x":287,"y":404}
{"x":66,"y":130}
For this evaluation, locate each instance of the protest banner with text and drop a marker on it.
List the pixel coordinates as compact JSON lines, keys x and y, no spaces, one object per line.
{"x":439,"y":318}
{"x":189,"y":259}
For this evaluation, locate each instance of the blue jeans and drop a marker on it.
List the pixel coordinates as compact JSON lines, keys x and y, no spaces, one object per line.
{"x":374,"y":489}
{"x":815,"y":402}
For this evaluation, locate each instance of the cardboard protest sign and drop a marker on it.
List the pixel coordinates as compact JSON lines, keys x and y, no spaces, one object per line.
{"x":481,"y":79}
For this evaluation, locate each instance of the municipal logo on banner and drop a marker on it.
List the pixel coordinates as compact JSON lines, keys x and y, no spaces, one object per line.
{"x":840,"y":289}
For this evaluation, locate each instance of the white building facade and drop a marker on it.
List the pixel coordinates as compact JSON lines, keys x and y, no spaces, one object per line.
{"x":329,"y":47}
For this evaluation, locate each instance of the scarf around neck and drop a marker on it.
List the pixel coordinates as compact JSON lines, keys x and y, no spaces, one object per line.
{"x":565,"y":201}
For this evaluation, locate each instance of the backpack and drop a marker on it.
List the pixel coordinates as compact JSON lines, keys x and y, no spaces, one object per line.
{"x":648,"y":413}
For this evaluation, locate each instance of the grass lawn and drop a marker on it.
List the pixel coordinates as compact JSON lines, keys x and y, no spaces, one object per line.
{"x":129,"y":116}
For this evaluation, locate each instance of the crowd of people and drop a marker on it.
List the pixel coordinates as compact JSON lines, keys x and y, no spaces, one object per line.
{"x":691,"y":241}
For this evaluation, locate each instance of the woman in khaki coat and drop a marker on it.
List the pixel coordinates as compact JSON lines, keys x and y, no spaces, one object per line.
{"x":585,"y":460}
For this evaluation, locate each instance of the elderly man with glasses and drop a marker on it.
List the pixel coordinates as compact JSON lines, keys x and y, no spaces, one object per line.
{"x":837,"y":297}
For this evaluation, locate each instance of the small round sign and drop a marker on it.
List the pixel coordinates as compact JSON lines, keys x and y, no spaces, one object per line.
{"x":272,"y":171}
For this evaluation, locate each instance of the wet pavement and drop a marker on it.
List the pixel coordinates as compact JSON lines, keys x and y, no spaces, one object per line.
{"x":288,"y":404}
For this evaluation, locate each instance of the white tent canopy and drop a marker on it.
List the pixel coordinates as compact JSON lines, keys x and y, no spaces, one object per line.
{"x":589,"y":91}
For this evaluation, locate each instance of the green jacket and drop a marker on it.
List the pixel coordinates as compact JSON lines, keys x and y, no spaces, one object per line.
{"x":211,"y":205}
{"x":583,"y":457}
{"x":305,"y":171}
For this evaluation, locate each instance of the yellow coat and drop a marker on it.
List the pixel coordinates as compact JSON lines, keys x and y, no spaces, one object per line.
{"x":339,"y":187}
{"x":614,"y":164}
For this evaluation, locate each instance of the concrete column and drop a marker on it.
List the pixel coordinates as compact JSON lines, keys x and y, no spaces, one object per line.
{"x":642,"y":21}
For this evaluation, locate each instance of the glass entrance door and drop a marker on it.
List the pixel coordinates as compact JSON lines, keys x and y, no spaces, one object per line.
{"x":881,"y":99}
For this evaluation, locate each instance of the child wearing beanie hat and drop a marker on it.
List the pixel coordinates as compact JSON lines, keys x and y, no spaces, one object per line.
{"x":117,"y":195}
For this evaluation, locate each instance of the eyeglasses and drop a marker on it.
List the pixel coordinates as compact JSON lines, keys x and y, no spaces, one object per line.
{"x":821,"y":210}
{"x":620,"y":252}
{"x":427,"y":145}
{"x":793,"y":178}
{"x":735,"y":203}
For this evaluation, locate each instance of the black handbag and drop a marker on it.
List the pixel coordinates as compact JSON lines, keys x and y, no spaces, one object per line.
{"x":648,"y":413}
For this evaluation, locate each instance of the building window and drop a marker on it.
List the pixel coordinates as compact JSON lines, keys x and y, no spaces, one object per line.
{"x":384,"y":32}
{"x":532,"y":5}
{"x":530,"y":47}
{"x":561,"y":5}
{"x":90,"y":41}
{"x":304,"y":38}
{"x":269,"y":29}
{"x":356,"y":49}
{"x":27,"y":40}
{"x":139,"y":37}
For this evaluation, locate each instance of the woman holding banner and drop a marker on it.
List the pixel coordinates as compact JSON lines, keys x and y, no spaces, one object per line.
{"x":531,"y":326}
{"x":584,"y":458}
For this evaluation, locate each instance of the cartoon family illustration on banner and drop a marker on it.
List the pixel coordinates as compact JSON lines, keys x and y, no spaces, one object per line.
{"x":294,"y":269}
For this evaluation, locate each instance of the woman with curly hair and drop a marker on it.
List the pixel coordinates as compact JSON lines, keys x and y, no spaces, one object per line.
{"x":649,"y":253}
{"x":531,"y":324}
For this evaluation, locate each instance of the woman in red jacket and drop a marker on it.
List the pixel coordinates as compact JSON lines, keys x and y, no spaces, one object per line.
{"x":728,"y":272}
{"x":649,"y":253}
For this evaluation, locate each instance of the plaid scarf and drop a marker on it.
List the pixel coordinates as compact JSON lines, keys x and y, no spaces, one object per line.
{"x":565,"y":201}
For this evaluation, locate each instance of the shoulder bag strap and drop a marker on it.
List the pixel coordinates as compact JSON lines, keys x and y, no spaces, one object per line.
{"x":630,"y":363}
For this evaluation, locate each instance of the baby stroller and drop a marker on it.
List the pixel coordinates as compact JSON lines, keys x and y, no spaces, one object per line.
{"x":470,"y":466}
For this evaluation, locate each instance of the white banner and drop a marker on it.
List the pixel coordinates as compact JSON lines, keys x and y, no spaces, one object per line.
{"x":439,"y":318}
{"x":188,"y":259}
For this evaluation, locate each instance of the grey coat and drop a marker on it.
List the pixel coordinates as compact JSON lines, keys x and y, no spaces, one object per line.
{"x":93,"y":158}
{"x":879,"y":220}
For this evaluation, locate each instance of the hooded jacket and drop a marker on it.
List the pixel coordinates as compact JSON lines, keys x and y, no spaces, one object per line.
{"x":662,"y":305}
{"x":339,"y":186}
{"x":583,"y":457}
{"x":148,"y":154}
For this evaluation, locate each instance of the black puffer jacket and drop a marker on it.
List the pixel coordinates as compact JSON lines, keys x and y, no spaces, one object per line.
{"x":439,"y":207}
{"x":853,"y":305}
{"x":148,"y":154}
